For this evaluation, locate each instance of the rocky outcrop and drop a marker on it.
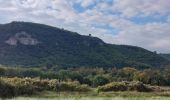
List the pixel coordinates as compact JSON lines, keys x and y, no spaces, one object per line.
{"x":22,"y":38}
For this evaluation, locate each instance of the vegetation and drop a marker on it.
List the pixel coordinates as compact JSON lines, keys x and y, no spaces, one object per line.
{"x":125,"y":86}
{"x":93,"y":77}
{"x":10,"y":87}
{"x":29,"y":81}
{"x":64,"y":61}
{"x":62,"y":48}
{"x":95,"y":98}
{"x":167,"y":56}
{"x":47,"y":95}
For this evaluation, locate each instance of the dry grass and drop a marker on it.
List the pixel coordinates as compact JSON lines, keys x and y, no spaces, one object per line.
{"x":95,"y":98}
{"x":101,"y":96}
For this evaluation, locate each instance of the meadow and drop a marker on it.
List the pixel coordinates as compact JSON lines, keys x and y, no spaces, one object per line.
{"x":96,"y":98}
{"x":93,"y":96}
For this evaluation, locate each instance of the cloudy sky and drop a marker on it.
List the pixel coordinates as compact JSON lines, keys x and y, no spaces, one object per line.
{"x":144,"y":23}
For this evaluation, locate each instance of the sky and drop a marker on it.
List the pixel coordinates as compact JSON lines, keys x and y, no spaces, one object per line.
{"x":143,"y":23}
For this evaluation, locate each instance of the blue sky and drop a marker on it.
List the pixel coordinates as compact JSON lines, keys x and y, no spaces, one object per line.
{"x":143,"y":23}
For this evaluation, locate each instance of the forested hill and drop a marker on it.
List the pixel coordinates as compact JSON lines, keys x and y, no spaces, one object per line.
{"x":167,"y":56}
{"x":31,"y":44}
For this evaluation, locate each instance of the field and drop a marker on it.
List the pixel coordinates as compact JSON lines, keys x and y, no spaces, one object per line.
{"x":94,"y":96}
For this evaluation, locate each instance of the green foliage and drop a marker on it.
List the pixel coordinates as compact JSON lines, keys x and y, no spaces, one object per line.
{"x":114,"y":86}
{"x":68,"y":80}
{"x":93,"y":76}
{"x":125,"y":86}
{"x":71,"y":86}
{"x":6,"y":90}
{"x":167,"y":56}
{"x":153,"y":77}
{"x":167,"y":77}
{"x":62,"y":48}
{"x":31,"y":73}
{"x":22,"y":86}
{"x":26,"y":86}
{"x":2,"y":71}
{"x":99,"y":80}
{"x":128,"y":73}
{"x":41,"y":85}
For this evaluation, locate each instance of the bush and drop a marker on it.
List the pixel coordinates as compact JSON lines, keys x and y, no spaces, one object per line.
{"x":139,"y":86}
{"x":6,"y":90}
{"x":53,"y":85}
{"x":10,"y":87}
{"x":2,"y":71}
{"x":41,"y":85}
{"x":114,"y":86}
{"x":68,"y":86}
{"x":22,"y":86}
{"x":99,"y":81}
{"x":125,"y":86}
{"x":63,"y":86}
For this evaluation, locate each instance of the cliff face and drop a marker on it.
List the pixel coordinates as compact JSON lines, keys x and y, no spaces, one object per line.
{"x":22,"y":38}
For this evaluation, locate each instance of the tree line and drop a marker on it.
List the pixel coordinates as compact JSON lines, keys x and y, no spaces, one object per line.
{"x":92,"y":76}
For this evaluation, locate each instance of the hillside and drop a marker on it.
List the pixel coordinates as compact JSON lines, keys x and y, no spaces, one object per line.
{"x":167,"y":56}
{"x":31,"y":44}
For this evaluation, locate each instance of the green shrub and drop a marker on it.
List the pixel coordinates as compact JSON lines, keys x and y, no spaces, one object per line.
{"x":6,"y":90}
{"x":100,"y":80}
{"x":124,"y":86}
{"x":71,"y":86}
{"x":138,"y":86}
{"x":41,"y":85}
{"x":53,"y":85}
{"x":22,"y":86}
{"x":83,"y":88}
{"x":10,"y":87}
{"x":2,"y":71}
{"x":114,"y":86}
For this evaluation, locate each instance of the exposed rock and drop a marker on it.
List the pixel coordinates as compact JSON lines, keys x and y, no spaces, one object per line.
{"x":22,"y":38}
{"x":12,"y":41}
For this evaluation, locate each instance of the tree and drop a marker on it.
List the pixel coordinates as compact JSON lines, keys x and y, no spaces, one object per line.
{"x":100,"y":80}
{"x":63,"y":75}
{"x":31,"y":73}
{"x":129,"y":73}
{"x":167,"y":77}
{"x":152,"y":77}
{"x":2,"y":71}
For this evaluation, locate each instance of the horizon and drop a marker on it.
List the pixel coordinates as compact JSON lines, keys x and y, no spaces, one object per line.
{"x":142,"y":23}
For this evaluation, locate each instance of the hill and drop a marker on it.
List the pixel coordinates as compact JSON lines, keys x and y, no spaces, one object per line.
{"x":167,"y":56}
{"x":32,"y":44}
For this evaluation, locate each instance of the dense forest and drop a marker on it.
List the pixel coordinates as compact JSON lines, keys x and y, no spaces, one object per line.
{"x":29,"y":44}
{"x":167,"y":56}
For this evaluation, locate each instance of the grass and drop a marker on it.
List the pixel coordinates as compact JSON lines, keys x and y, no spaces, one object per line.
{"x":95,"y":96}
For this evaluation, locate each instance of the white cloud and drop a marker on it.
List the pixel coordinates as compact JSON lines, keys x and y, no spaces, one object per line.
{"x":86,"y":3}
{"x":26,"y":3}
{"x":153,"y":36}
{"x":130,"y":8}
